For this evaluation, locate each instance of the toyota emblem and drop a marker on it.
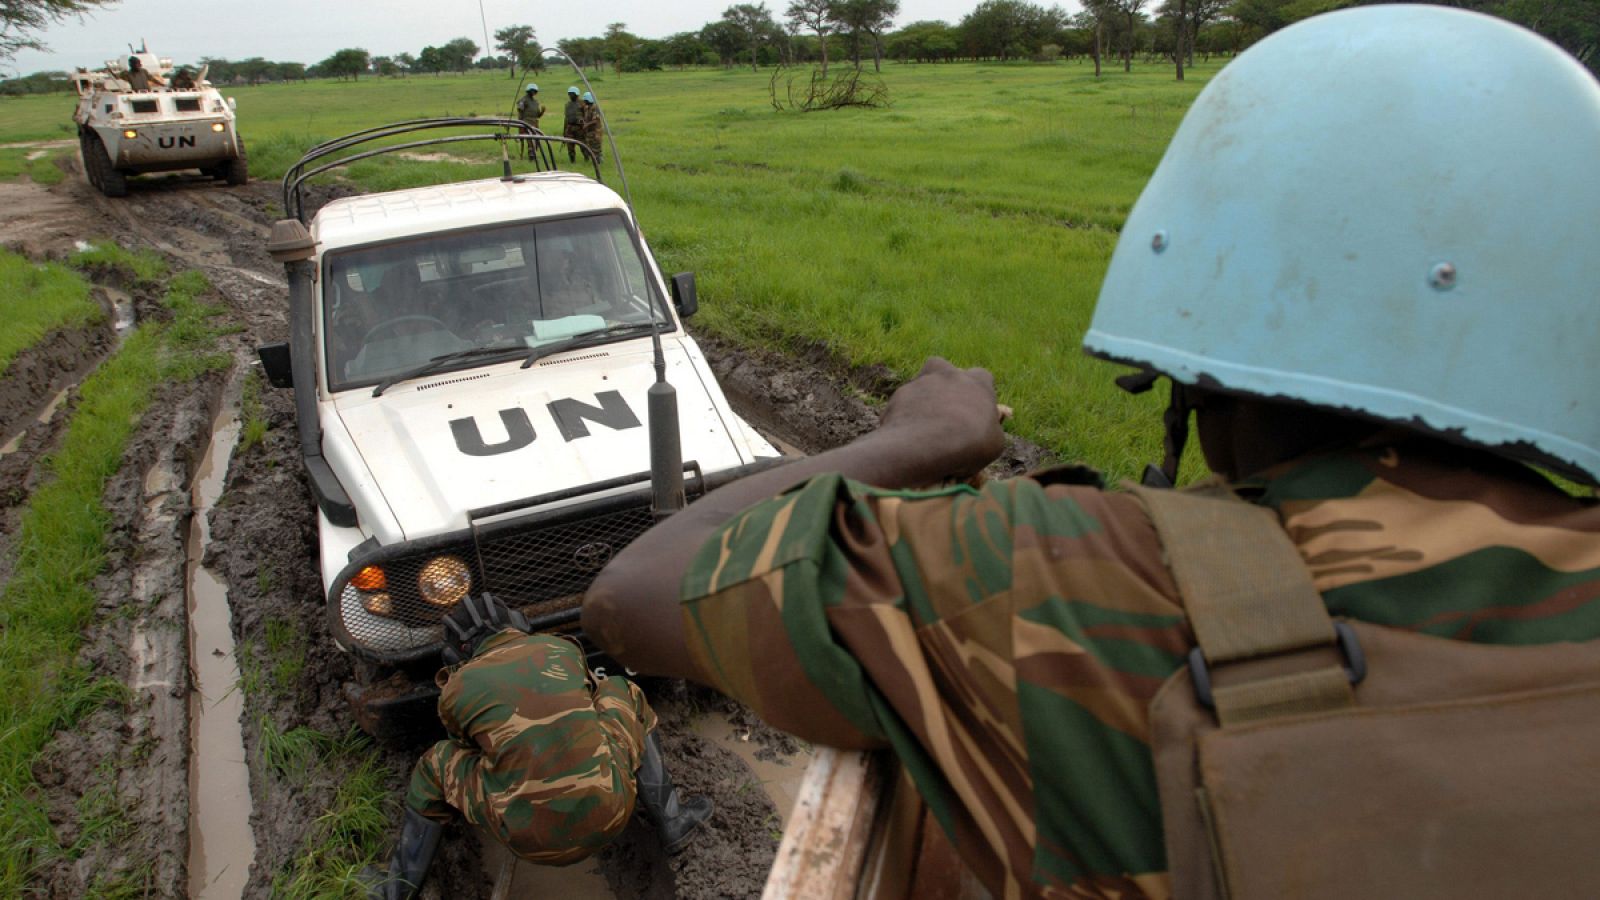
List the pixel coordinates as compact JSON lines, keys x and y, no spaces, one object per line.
{"x":591,"y":557}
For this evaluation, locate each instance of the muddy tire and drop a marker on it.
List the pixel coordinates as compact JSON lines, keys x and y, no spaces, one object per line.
{"x":97,"y":165}
{"x":236,"y":170}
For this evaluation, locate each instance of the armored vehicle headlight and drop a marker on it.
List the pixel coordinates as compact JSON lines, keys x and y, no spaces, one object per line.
{"x":130,"y":134}
{"x":444,"y":581}
{"x":378,"y":604}
{"x":370,"y":578}
{"x":216,"y":126}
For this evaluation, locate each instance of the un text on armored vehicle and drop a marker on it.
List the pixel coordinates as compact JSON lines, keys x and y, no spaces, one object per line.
{"x":472,"y":365}
{"x":141,"y":115}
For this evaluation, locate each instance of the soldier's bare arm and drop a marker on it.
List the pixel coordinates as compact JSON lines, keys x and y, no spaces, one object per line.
{"x":939,"y":426}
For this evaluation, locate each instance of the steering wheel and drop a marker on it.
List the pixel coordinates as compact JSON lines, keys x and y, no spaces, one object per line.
{"x":403,"y":320}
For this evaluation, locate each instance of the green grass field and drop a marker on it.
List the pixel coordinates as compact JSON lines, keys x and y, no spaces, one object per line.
{"x":973,"y":219}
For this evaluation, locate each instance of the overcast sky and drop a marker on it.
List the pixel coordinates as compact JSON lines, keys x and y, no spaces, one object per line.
{"x":310,"y":30}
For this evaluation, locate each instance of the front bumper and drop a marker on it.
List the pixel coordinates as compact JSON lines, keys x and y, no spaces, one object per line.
{"x":534,"y":555}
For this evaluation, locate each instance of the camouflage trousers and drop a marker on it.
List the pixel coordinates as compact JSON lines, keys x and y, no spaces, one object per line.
{"x":575,"y":132}
{"x":542,"y":754}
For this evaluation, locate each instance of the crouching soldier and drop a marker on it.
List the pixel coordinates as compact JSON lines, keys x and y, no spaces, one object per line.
{"x":542,"y":754}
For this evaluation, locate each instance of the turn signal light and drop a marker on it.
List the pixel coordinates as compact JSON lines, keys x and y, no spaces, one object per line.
{"x":370,"y":578}
{"x":130,"y":134}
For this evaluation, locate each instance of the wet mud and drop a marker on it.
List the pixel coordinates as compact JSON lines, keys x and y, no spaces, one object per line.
{"x":262,"y":549}
{"x":131,"y":754}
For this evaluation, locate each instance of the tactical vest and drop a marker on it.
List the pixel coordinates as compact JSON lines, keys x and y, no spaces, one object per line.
{"x":1302,"y":757}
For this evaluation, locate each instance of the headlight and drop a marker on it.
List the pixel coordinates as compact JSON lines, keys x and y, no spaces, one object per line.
{"x":130,"y":134}
{"x":217,"y":126}
{"x":444,"y":581}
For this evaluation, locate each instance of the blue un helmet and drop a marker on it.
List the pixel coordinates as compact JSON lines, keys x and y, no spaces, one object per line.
{"x":1387,"y":212}
{"x":573,"y":91}
{"x":588,"y":97}
{"x":532,"y":89}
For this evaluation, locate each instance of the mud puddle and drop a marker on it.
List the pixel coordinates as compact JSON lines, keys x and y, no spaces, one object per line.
{"x":221,"y":845}
{"x":777,"y":773}
{"x":123,"y":316}
{"x":45,"y":417}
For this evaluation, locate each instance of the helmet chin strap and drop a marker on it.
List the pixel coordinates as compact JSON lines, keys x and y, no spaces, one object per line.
{"x":1174,"y":421}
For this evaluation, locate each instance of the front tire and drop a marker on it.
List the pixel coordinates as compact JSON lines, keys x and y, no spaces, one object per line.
{"x":237,"y":170}
{"x":97,"y":165}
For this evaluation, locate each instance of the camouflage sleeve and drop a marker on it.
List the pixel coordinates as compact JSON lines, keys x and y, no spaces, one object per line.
{"x":1005,"y":643}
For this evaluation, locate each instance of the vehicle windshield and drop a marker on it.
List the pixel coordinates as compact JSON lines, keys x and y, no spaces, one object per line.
{"x":394,"y":307}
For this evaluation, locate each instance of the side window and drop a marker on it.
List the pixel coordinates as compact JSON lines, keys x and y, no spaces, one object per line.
{"x":633,"y":276}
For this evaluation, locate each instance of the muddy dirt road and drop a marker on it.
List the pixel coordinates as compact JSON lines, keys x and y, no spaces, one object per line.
{"x":252,"y":567}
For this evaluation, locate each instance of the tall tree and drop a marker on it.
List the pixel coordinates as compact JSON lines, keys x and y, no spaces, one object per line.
{"x":456,"y":55}
{"x":620,"y":44}
{"x":347,"y":63}
{"x":1130,"y":9}
{"x":923,"y":42}
{"x":20,"y":19}
{"x":753,"y":22}
{"x":865,"y":19}
{"x":724,"y":39}
{"x":815,"y":16}
{"x":521,"y":46}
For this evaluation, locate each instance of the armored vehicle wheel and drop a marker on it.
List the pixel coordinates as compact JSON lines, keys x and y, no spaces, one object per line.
{"x":237,"y":170}
{"x":97,"y":164}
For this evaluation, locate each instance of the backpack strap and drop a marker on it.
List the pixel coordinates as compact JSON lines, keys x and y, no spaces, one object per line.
{"x":1249,"y":596}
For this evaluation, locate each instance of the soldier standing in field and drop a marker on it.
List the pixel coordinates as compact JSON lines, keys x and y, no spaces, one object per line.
{"x":572,"y":122}
{"x":543,"y":754}
{"x":1360,"y":662}
{"x":529,"y":109}
{"x":593,"y":127}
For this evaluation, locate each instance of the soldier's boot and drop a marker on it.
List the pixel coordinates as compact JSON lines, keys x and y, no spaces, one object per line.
{"x":675,"y":816}
{"x":419,"y":839}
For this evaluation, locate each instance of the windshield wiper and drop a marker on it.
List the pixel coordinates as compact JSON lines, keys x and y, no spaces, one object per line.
{"x":586,"y":339}
{"x":444,"y":359}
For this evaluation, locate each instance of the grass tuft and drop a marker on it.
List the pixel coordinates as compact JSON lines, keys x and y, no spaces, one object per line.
{"x":137,"y":266}
{"x":15,"y":165}
{"x":253,"y":415}
{"x":38,"y":299}
{"x":350,"y":834}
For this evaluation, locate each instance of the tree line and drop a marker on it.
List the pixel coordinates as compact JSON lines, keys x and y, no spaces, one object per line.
{"x":804,"y":32}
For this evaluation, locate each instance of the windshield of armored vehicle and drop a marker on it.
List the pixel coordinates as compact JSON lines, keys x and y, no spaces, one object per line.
{"x":393,"y":307}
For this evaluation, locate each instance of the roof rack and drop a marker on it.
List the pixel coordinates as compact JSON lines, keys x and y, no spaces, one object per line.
{"x":540,"y":148}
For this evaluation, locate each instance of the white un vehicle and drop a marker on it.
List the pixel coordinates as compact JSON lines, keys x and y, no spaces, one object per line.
{"x":124,"y":132}
{"x":472,"y":366}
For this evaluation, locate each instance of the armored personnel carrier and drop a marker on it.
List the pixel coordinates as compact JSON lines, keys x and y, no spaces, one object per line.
{"x":172,"y":123}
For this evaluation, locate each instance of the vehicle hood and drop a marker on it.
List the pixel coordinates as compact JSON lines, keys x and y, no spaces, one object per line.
{"x":444,"y":444}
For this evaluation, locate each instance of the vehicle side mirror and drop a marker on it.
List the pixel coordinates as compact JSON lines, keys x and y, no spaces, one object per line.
{"x":683,"y":295}
{"x":232,"y":103}
{"x":275,"y":362}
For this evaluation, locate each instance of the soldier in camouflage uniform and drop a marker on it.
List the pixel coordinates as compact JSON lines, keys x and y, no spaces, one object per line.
{"x":529,"y":109}
{"x":572,"y":122}
{"x":592,"y":127}
{"x":543,"y":754}
{"x":1005,"y":641}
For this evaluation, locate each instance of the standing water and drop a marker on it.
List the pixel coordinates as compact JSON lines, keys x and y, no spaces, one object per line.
{"x":221,"y":846}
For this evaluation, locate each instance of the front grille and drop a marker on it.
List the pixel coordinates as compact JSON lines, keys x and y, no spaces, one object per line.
{"x":547,"y":569}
